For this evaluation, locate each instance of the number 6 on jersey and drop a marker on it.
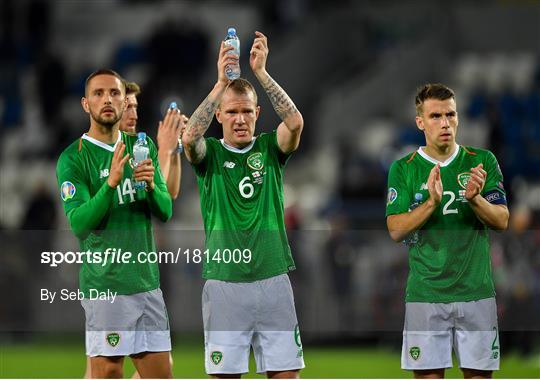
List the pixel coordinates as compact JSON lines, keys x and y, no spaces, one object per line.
{"x":246,"y":188}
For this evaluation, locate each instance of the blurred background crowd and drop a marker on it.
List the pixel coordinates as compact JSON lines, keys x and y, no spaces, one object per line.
{"x":351,"y":67}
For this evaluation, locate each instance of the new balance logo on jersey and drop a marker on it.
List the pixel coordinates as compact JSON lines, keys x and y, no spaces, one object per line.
{"x":229,"y":164}
{"x":423,"y":186}
{"x":103,"y":173}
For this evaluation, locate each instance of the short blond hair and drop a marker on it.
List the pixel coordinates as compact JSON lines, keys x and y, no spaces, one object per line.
{"x":132,"y":88}
{"x":242,"y":86}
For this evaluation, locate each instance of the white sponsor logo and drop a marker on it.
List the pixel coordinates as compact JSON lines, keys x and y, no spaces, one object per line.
{"x":229,"y":165}
{"x":104,"y":173}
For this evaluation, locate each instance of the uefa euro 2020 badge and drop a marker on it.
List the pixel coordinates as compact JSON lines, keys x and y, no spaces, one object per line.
{"x":67,"y":190}
{"x":392,"y":196}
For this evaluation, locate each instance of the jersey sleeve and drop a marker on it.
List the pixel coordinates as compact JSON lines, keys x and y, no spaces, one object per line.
{"x":398,"y":199}
{"x":84,"y":213}
{"x":202,"y":167}
{"x":493,"y":190}
{"x":159,"y":200}
{"x":283,"y":158}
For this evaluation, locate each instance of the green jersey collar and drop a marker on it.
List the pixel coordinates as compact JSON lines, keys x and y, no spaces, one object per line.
{"x":236,"y":150}
{"x":447,"y":162}
{"x":102,"y":144}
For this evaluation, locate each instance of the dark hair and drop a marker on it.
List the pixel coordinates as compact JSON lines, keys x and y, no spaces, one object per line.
{"x":242,"y":86}
{"x":431,"y":91}
{"x":132,"y":88}
{"x":103,"y":72}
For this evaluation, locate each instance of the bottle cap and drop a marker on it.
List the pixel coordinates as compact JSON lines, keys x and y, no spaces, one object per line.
{"x":141,"y":136}
{"x":173,"y":105}
{"x":231,"y":31}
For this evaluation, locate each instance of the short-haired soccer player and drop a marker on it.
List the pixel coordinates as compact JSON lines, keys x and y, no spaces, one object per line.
{"x":106,"y":212}
{"x":247,"y":298}
{"x":442,"y":201}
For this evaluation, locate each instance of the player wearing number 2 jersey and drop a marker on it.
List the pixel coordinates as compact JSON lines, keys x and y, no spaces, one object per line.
{"x":442,"y":201}
{"x":240,"y":178}
{"x":107,"y":213}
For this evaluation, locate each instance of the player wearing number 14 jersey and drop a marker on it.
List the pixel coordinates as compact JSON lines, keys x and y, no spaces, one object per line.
{"x":442,"y":201}
{"x":108,"y":214}
{"x":246,"y":303}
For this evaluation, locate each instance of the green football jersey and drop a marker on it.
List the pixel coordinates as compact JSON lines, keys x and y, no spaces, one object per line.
{"x":106,"y":219}
{"x":449,"y":258}
{"x":241,"y":193}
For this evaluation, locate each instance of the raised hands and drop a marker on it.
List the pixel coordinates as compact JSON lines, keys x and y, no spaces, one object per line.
{"x":258,"y":53}
{"x":434,"y":185}
{"x":476,"y":182}
{"x":116,"y":171}
{"x":170,"y":129}
{"x":225,"y":58}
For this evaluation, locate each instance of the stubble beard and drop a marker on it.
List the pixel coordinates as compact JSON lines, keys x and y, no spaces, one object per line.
{"x":106,"y":122}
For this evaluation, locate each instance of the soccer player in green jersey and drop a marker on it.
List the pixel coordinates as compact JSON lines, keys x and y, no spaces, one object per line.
{"x":442,"y":200}
{"x":247,"y":298}
{"x":169,"y":131}
{"x":108,"y":215}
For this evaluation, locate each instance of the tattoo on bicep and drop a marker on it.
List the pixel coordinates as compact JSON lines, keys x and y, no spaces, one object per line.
{"x":281,"y":102}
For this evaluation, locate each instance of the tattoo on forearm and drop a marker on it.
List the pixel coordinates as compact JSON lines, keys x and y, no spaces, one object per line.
{"x":281,"y":102}
{"x":197,"y":125}
{"x":201,"y":118}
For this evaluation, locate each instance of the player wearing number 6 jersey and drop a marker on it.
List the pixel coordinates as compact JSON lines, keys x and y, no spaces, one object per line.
{"x":442,"y":201}
{"x":240,"y":180}
{"x":107,"y":213}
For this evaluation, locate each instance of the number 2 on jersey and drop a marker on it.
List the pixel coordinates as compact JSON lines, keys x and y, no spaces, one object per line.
{"x":446,"y":210}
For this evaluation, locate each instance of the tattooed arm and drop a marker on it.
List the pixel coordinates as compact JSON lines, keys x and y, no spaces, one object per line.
{"x":289,"y":131}
{"x":193,"y":137}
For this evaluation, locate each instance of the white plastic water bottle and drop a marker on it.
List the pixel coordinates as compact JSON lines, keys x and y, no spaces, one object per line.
{"x":140,"y":153}
{"x":233,"y":71}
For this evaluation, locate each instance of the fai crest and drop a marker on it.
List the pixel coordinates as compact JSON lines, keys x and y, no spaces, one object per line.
{"x":216,"y":357}
{"x":255,"y":161}
{"x":67,"y":190}
{"x":415,"y":352}
{"x":113,"y":339}
{"x":463,"y":179}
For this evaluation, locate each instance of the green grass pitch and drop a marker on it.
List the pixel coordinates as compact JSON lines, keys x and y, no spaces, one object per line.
{"x":57,"y":360}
